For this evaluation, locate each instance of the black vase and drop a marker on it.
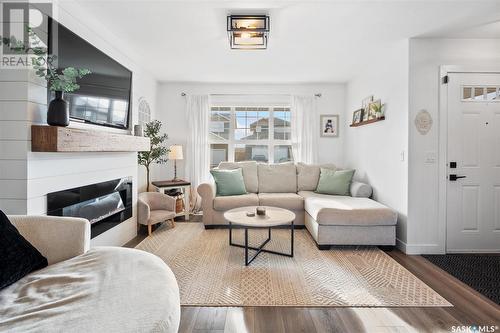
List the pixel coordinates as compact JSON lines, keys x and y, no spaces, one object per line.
{"x":58,"y":113}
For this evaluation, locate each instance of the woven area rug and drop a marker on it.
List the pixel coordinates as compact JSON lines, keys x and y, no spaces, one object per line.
{"x":212,"y":273}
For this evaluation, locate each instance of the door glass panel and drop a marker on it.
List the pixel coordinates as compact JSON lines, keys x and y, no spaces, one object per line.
{"x":478,"y":93}
{"x":257,"y":153}
{"x":467,"y":93}
{"x":491,"y":93}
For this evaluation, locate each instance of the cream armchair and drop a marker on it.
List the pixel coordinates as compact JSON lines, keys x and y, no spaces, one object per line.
{"x":155,"y":207}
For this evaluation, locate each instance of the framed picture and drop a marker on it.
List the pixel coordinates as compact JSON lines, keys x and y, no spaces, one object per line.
{"x":374,"y":108}
{"x":329,"y":125}
{"x":357,"y":116}
{"x":365,"y":105}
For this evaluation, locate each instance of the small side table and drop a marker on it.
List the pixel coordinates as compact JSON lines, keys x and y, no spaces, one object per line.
{"x":183,"y":185}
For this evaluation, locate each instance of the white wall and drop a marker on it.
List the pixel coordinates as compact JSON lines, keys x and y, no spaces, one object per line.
{"x":172,"y":108}
{"x":378,"y":151}
{"x":426,"y":233}
{"x":31,"y":175}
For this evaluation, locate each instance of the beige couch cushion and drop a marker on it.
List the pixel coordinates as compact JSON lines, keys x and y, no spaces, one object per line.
{"x":277,"y":178}
{"x":308,"y":175}
{"x":235,"y":201}
{"x":290,"y":201}
{"x":344,"y":210}
{"x":249,"y":169}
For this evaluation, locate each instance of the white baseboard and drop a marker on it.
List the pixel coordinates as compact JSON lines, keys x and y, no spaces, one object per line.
{"x":416,"y":249}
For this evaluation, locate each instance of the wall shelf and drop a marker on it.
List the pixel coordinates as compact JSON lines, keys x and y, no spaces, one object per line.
{"x":65,"y":139}
{"x":366,"y":122}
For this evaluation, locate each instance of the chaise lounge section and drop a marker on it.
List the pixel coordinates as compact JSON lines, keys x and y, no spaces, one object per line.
{"x":330,"y":219}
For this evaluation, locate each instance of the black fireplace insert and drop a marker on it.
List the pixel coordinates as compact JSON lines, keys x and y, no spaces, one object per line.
{"x":105,"y":204}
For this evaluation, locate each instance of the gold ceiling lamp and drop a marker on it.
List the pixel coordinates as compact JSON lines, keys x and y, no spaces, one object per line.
{"x":248,"y":32}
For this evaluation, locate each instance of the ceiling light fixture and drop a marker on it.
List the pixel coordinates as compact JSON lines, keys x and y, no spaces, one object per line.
{"x":248,"y":32}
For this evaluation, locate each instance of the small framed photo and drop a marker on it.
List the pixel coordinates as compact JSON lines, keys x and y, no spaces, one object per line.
{"x":374,"y":109}
{"x":357,"y":116}
{"x":365,"y":105}
{"x":329,"y":125}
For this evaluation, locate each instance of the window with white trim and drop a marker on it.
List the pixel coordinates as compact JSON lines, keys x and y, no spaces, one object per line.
{"x":261,"y":133}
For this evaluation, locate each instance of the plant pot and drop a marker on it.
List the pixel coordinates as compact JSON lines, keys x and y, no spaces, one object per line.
{"x":58,"y":113}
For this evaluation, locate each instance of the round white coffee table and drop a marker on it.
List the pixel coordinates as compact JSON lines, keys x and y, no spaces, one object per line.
{"x":275,"y":217}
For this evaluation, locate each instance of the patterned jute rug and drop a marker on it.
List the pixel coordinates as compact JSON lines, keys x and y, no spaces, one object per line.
{"x":212,"y":273}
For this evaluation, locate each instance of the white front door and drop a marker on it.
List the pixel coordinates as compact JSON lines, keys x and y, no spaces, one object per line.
{"x":473,"y":202}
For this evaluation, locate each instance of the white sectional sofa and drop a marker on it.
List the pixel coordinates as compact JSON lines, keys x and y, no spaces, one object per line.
{"x":330,"y":219}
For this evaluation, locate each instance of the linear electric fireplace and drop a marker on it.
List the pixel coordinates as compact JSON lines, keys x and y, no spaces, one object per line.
{"x":105,"y":204}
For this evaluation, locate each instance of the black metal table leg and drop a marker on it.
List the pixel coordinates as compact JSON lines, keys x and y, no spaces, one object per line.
{"x":260,"y":248}
{"x":246,"y":247}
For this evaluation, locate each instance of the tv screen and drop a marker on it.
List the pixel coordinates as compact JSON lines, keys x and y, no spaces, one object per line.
{"x":104,"y":95}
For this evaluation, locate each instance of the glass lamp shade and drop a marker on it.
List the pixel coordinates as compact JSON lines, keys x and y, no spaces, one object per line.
{"x":248,"y":31}
{"x":175,"y":153}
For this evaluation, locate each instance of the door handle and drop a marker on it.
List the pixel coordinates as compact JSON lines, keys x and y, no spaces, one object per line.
{"x":454,"y":177}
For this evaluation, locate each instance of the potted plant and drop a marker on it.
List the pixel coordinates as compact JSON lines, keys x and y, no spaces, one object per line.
{"x":59,"y":83}
{"x":158,"y":152}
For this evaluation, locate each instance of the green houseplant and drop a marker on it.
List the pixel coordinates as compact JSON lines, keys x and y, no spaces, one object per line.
{"x":158,"y":153}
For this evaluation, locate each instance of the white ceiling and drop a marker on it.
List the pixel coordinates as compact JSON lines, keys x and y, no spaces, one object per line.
{"x":310,"y":41}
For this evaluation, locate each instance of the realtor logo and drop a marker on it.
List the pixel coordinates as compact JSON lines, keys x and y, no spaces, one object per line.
{"x":23,"y":28}
{"x":474,"y":329}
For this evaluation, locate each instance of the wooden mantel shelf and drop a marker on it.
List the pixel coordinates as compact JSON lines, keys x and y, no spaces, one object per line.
{"x":66,"y":139}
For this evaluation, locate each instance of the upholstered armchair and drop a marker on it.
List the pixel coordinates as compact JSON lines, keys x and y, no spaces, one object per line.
{"x":155,"y":207}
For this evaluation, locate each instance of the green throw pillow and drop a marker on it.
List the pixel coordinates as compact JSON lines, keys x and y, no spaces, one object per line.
{"x":229,"y":182}
{"x":336,"y":182}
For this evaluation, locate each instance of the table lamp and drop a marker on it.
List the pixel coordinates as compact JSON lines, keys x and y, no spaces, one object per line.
{"x":175,"y":154}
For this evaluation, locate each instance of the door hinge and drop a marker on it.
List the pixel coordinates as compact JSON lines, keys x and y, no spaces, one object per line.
{"x":445,"y":79}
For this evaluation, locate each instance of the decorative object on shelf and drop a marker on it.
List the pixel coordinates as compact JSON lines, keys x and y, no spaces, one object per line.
{"x":329,"y":125}
{"x":248,"y":32}
{"x":357,"y":116}
{"x":371,"y":111}
{"x":374,"y":109}
{"x":423,"y":122}
{"x":365,"y":103}
{"x":158,"y":152}
{"x":261,"y":211}
{"x":144,"y":111}
{"x":59,"y":83}
{"x":138,"y":130}
{"x":175,"y":153}
{"x":58,"y":111}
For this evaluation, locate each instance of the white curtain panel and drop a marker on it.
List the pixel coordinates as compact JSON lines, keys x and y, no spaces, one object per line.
{"x":305,"y":129}
{"x":198,"y":147}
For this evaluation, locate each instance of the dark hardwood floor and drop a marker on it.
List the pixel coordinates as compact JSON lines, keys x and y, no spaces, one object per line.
{"x":469,"y":308}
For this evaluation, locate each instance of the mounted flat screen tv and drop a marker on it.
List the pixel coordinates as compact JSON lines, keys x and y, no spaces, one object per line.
{"x":104,"y":95}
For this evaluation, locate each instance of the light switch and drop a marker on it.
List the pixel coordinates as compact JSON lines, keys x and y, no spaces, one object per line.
{"x":430,"y":157}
